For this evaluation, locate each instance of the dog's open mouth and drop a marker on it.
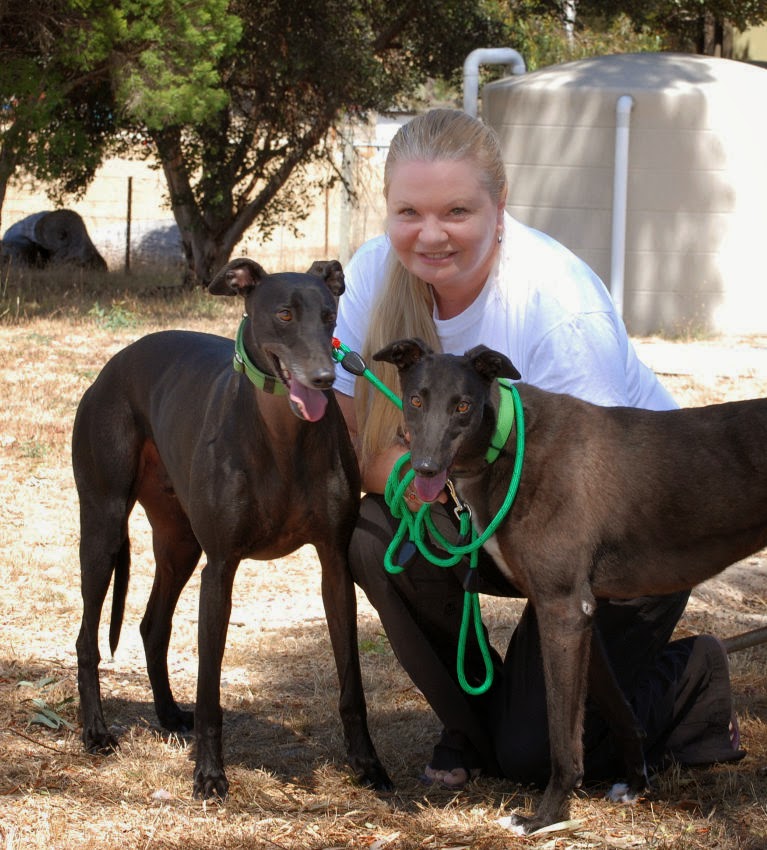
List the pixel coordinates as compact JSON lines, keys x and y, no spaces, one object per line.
{"x":305,"y":402}
{"x":429,"y":487}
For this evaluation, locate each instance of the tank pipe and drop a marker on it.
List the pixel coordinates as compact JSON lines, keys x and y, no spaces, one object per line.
{"x":620,"y":199}
{"x":486,"y":56}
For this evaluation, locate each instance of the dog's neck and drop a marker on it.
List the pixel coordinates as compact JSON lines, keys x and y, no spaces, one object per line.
{"x":488,"y":442}
{"x":504,"y":421}
{"x":243,"y":363}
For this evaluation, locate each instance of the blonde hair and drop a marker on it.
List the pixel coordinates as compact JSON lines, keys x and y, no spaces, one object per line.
{"x":404,"y":307}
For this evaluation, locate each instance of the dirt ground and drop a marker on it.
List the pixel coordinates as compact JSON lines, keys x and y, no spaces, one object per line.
{"x":283,"y":747}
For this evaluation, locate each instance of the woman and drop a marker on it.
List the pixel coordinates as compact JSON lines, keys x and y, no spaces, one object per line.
{"x":456,"y":270}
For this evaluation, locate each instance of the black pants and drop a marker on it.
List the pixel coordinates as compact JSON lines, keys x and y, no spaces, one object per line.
{"x":680,"y":691}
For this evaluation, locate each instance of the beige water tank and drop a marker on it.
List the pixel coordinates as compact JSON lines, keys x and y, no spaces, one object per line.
{"x":696,"y":182}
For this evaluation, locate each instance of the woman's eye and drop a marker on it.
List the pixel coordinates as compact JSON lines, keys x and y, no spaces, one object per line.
{"x":415,"y":401}
{"x":462,"y":407}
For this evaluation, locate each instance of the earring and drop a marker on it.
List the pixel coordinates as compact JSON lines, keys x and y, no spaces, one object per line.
{"x":500,"y":238}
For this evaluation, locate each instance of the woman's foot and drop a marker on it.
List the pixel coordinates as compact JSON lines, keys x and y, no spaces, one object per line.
{"x":448,"y":768}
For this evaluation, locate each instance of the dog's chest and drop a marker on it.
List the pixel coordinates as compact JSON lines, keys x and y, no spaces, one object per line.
{"x":468,"y":494}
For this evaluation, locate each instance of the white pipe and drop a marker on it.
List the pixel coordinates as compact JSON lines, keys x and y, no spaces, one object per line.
{"x":620,"y":199}
{"x":486,"y":56}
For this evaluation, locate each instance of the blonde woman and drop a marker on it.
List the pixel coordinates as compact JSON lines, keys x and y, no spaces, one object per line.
{"x":456,"y":270}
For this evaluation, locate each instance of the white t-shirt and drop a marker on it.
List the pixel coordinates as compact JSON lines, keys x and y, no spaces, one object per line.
{"x":541,"y":306}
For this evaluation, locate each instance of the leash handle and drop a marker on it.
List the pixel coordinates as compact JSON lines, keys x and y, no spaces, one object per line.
{"x":353,"y":363}
{"x":472,"y":611}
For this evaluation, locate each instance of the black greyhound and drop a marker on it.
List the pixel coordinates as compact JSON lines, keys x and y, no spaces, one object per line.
{"x":245,"y":462}
{"x":612,"y":503}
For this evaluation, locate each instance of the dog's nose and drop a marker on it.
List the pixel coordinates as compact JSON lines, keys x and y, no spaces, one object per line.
{"x":322,"y":379}
{"x":425,"y":467}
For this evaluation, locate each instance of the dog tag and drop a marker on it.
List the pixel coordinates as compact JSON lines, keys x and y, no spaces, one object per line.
{"x":407,"y":553}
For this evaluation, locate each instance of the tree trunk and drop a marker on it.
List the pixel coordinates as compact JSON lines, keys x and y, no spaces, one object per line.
{"x":9,"y":157}
{"x":711,"y":36}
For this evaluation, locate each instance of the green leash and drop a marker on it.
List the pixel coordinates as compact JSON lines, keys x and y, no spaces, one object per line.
{"x":411,"y":533}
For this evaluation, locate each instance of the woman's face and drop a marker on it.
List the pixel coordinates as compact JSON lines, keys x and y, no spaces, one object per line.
{"x":444,"y":227}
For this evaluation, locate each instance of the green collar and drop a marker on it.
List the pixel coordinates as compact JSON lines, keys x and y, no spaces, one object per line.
{"x":243,"y":363}
{"x":505,"y":422}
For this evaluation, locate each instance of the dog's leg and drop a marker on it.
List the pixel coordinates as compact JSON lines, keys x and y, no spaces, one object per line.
{"x":176,"y":552}
{"x":565,"y":633}
{"x":340,"y":601}
{"x":104,"y":550}
{"x":624,"y":725}
{"x":214,"y":612}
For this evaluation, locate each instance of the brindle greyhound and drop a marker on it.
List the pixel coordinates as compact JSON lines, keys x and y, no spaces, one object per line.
{"x":239,"y":463}
{"x":612,"y":503}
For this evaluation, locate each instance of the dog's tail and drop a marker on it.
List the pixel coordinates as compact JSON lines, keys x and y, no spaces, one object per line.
{"x":119,"y":593}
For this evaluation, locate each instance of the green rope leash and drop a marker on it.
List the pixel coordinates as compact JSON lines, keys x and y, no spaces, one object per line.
{"x":411,"y":532}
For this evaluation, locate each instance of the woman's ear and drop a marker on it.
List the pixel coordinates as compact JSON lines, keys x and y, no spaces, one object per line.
{"x":500,"y":209}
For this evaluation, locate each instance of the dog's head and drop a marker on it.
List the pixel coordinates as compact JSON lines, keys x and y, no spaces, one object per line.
{"x":448,"y":408}
{"x":291,"y":318}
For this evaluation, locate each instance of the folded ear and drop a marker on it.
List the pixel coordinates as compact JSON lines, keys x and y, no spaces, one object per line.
{"x":491,"y":364}
{"x":332,"y":273}
{"x":403,"y":353}
{"x":239,"y":277}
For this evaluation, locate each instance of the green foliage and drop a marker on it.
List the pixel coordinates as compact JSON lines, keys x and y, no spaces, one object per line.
{"x":43,"y":713}
{"x":117,"y":316}
{"x":542,"y":39}
{"x":171,"y":51}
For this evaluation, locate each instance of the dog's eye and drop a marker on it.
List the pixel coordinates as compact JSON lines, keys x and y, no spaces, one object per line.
{"x":415,"y":401}
{"x":285,"y":315}
{"x":463,"y":407}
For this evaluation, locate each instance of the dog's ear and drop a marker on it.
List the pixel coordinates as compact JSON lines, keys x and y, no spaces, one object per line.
{"x":332,"y":273}
{"x":403,"y":353}
{"x":491,"y":364}
{"x":239,"y":277}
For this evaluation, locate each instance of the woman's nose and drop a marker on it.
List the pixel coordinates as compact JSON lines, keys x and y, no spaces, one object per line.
{"x":432,"y":231}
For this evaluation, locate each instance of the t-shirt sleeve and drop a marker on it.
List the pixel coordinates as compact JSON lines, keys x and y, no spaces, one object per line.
{"x":588,"y":356}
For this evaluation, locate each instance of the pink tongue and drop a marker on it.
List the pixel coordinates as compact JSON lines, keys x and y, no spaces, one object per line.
{"x":429,"y":488}
{"x":308,"y":404}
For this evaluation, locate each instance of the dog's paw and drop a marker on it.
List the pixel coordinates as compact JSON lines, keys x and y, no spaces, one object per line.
{"x":376,"y":778}
{"x":622,"y":792}
{"x":101,"y":744}
{"x":521,"y":825}
{"x":210,"y":786}
{"x":515,"y":824}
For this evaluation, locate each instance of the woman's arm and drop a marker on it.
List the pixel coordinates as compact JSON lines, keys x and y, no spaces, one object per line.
{"x":376,"y":472}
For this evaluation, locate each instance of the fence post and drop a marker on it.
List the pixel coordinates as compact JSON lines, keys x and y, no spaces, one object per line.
{"x":128,"y":218}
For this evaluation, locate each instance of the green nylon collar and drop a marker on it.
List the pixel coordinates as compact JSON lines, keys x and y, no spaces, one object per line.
{"x":243,"y":363}
{"x":504,"y":424}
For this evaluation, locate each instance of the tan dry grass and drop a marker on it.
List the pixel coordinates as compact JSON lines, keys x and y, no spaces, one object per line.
{"x":283,"y":744}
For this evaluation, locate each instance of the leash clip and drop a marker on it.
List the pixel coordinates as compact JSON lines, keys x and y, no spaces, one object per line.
{"x":460,"y":506}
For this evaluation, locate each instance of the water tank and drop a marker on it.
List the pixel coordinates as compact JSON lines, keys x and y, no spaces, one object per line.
{"x":695,"y":256}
